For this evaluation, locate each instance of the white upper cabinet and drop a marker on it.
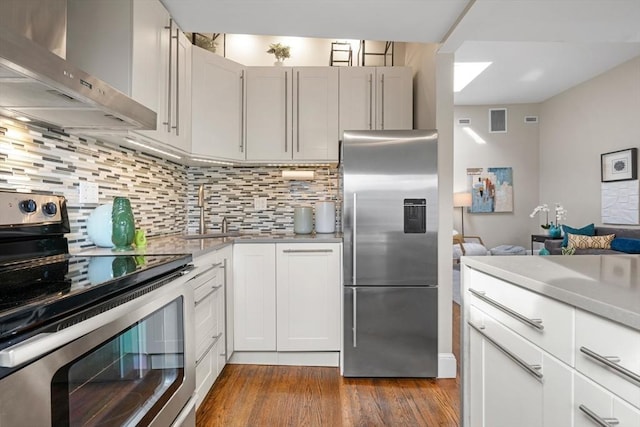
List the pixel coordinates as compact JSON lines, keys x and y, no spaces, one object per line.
{"x":217,"y":102}
{"x":291,"y":114}
{"x":376,"y":98}
{"x":179,"y":103}
{"x":136,"y":48}
{"x":315,"y":113}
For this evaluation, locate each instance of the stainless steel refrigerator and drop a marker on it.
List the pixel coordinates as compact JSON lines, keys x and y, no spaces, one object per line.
{"x":390,"y":222}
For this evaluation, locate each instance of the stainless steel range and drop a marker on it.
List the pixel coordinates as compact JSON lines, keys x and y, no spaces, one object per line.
{"x":101,"y":340}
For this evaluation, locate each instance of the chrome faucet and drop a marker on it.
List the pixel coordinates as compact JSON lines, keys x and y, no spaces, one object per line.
{"x":201,"y":206}
{"x":223,"y":227}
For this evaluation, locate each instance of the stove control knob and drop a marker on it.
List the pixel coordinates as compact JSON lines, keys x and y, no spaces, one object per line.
{"x":28,"y":206}
{"x":50,"y":209}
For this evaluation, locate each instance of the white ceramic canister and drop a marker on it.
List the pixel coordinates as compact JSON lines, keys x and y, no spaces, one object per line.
{"x":325,"y":217}
{"x":303,"y":220}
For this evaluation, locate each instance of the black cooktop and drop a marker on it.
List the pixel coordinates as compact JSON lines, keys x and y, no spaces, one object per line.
{"x":41,"y":290}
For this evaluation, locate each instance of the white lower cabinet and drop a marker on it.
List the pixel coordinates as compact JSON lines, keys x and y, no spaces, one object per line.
{"x":594,"y":405}
{"x":210,"y":284}
{"x":254,"y":273}
{"x":517,"y":369}
{"x":287,"y":300}
{"x":308,"y":297}
{"x":511,"y":381}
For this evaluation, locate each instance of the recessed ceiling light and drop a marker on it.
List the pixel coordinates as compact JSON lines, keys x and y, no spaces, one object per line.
{"x":465,"y":72}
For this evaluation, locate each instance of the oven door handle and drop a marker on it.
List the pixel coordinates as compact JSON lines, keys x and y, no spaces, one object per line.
{"x":43,"y":343}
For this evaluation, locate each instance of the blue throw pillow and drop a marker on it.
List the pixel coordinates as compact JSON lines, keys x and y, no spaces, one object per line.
{"x":587,"y":230}
{"x":626,"y":245}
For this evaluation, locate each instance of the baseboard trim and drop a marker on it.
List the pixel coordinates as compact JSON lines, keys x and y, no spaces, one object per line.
{"x":446,"y":361}
{"x":312,"y":358}
{"x":446,"y":365}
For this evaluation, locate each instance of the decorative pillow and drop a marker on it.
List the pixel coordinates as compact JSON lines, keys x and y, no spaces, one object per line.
{"x":587,"y":230}
{"x":627,"y":245}
{"x":579,"y":241}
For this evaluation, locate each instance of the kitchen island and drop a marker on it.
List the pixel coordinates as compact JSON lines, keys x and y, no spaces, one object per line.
{"x":551,"y":340}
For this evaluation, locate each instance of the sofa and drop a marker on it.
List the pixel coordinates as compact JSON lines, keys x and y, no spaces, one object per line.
{"x":555,"y":246}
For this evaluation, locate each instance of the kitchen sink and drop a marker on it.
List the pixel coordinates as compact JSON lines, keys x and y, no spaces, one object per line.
{"x":210,"y":235}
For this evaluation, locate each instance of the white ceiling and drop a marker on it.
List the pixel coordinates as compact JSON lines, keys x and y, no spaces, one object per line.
{"x":539,"y":48}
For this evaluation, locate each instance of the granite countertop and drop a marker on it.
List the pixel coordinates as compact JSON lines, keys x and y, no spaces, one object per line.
{"x":606,"y":285}
{"x":177,"y":244}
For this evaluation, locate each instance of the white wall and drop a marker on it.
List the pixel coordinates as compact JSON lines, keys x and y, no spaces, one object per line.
{"x":251,"y":50}
{"x":422,"y":58}
{"x":433,"y":109}
{"x":518,"y":148}
{"x":578,"y":125}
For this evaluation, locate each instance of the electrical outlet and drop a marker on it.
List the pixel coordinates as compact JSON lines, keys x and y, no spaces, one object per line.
{"x":87,"y":192}
{"x":260,"y":203}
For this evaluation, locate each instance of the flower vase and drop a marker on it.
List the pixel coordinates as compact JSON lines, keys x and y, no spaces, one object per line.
{"x":123,"y":226}
{"x":554,"y":231}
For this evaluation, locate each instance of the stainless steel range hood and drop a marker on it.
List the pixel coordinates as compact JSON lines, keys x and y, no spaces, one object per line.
{"x":40,"y":85}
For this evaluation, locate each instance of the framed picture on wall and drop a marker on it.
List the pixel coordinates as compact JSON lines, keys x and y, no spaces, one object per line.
{"x":619,"y":165}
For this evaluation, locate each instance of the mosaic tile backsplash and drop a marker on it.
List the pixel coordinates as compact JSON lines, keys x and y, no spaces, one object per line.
{"x":35,"y":159}
{"x":163,"y":194}
{"x":230,"y":193}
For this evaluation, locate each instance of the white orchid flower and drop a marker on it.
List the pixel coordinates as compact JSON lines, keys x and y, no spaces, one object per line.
{"x":539,"y":208}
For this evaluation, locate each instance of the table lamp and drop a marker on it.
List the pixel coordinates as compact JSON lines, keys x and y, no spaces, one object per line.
{"x":462,"y":200}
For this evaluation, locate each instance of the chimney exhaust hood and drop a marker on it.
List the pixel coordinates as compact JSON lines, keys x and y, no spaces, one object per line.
{"x":42,"y":86}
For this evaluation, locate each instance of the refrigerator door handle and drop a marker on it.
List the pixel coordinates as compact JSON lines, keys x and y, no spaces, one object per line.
{"x":355,"y":318}
{"x":354,"y":238}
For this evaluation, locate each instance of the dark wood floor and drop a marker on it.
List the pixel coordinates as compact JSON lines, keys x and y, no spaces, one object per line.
{"x":251,"y":395}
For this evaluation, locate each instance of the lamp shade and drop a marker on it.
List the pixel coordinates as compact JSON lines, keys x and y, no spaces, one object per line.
{"x":461,"y":199}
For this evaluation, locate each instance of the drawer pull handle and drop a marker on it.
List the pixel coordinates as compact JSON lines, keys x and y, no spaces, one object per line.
{"x":213,"y":266}
{"x":534,"y":323}
{"x":603,"y":422}
{"x":534,"y":370}
{"x":209,"y":347}
{"x":213,"y":290}
{"x":611,"y":362}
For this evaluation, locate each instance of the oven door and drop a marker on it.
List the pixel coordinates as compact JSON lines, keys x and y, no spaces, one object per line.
{"x":135,"y":367}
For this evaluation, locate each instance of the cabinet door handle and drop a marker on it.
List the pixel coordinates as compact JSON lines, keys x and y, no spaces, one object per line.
{"x":611,"y":362}
{"x":370,"y":101}
{"x":209,"y":347}
{"x":168,"y":122}
{"x":307,"y":251}
{"x":177,"y":126}
{"x":355,"y":318}
{"x":534,"y":323}
{"x":533,"y":370}
{"x":382,"y":103}
{"x":286,"y":108}
{"x":213,"y":290}
{"x":298,"y":111}
{"x":597,"y":419}
{"x":242,"y":111}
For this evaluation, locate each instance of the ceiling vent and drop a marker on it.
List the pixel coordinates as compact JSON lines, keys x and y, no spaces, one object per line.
{"x":498,"y":120}
{"x":464,"y":122}
{"x":531,"y":119}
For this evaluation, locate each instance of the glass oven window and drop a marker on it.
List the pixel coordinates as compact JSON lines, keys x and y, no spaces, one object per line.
{"x":127,"y":379}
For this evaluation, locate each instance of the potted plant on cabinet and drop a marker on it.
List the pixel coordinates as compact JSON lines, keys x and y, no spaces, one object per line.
{"x":280,"y":51}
